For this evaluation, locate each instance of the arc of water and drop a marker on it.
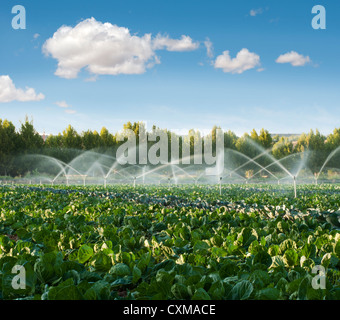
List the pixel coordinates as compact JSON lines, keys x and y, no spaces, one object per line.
{"x":113,"y":167}
{"x":154,"y":170}
{"x":196,"y":177}
{"x":280,"y":160}
{"x":95,"y":165}
{"x":330,"y":156}
{"x":251,"y":160}
{"x":58,"y":162}
{"x":266,"y":153}
{"x":67,"y":165}
{"x":230,"y":173}
{"x":186,"y":173}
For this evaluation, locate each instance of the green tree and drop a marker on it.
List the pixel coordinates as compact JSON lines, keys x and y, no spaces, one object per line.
{"x":244,"y":145}
{"x":282,"y":148}
{"x":314,"y":143}
{"x":91,"y":140}
{"x":29,"y":143}
{"x":265,"y":139}
{"x":230,"y":140}
{"x":71,"y":138}
{"x":53,"y":147}
{"x":333,"y":140}
{"x":107,"y":139}
{"x":8,"y":147}
{"x":29,"y":139}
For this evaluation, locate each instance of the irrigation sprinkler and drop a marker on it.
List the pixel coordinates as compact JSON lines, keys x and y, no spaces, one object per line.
{"x":104,"y":182}
{"x":134,"y":182}
{"x":220,"y":186}
{"x":295,"y":193}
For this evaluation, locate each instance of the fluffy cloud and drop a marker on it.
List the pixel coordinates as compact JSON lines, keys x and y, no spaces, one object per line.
{"x":103,"y":48}
{"x":69,"y":111}
{"x":66,"y":106}
{"x":295,"y":59}
{"x":243,"y":61}
{"x":62,"y":104}
{"x":183,"y":44}
{"x":209,"y":46}
{"x":255,"y":12}
{"x":8,"y":92}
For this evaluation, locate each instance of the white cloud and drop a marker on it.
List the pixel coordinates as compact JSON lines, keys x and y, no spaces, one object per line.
{"x":69,"y":111}
{"x":66,"y":106}
{"x":91,"y":79}
{"x":209,"y":46}
{"x":103,"y":48}
{"x":8,"y":92}
{"x":255,"y":12}
{"x":243,"y":61}
{"x":36,"y":35}
{"x":183,"y":44}
{"x":62,"y":104}
{"x":295,"y":59}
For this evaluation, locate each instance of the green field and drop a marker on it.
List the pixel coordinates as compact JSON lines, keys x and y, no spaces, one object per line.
{"x":184,"y":242}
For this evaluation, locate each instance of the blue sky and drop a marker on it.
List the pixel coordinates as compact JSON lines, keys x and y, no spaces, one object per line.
{"x":184,"y":87}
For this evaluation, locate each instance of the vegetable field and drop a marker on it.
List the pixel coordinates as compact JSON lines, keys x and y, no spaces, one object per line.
{"x":184,"y":242}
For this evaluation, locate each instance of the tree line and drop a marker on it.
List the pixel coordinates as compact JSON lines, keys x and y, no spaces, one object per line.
{"x":14,"y":144}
